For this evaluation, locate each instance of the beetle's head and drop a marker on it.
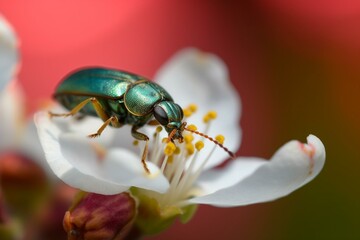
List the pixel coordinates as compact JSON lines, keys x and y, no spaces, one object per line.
{"x":170,"y":115}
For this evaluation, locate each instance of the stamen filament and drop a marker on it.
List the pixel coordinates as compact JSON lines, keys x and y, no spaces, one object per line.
{"x":197,"y":173}
{"x":170,"y":170}
{"x":156,"y":148}
{"x":186,"y":176}
{"x":163,"y":165}
{"x":172,"y":158}
{"x":171,"y":194}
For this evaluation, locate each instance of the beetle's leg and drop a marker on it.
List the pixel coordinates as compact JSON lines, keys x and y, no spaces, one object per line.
{"x":99,"y":111}
{"x":143,"y":137}
{"x":96,"y":104}
{"x":104,"y":116}
{"x":153,"y":122}
{"x":113,"y":120}
{"x":74,"y":110}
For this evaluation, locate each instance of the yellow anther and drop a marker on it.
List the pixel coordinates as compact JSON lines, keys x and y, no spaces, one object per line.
{"x":188,"y":138}
{"x":220,"y":139}
{"x":192,"y":127}
{"x":187,"y":112}
{"x":206,"y":119}
{"x":212,"y":115}
{"x":170,"y":159}
{"x":192,"y":108}
{"x":177,"y":151}
{"x":189,"y":148}
{"x":159,"y":129}
{"x":169,"y":149}
{"x":199,"y":145}
{"x":135,"y":142}
{"x":165,"y":140}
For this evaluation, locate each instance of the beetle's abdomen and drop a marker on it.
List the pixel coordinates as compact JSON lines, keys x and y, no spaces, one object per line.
{"x":110,"y":106}
{"x":94,"y":82}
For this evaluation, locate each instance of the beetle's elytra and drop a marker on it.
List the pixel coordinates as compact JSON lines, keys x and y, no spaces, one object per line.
{"x":118,"y":98}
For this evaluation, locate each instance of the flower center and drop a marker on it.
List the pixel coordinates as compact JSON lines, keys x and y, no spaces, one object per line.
{"x":177,"y":161}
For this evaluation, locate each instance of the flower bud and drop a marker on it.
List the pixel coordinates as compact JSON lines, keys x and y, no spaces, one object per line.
{"x":103,"y":217}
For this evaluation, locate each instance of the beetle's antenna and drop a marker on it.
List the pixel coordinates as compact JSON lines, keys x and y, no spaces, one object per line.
{"x":232,"y":155}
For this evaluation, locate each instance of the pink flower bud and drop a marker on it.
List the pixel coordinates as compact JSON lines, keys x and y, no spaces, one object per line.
{"x":104,"y":217}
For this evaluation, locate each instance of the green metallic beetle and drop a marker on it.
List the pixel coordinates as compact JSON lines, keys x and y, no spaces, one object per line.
{"x":120,"y":98}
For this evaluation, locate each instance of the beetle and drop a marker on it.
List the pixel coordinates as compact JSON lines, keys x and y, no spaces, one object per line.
{"x":119,"y":98}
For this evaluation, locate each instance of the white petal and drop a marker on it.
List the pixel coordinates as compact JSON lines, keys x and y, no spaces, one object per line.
{"x":111,"y":137}
{"x":8,"y":53}
{"x":77,"y":161}
{"x":121,"y":137}
{"x":31,"y":147}
{"x":292,"y":166}
{"x":192,"y":76}
{"x":123,"y":169}
{"x":11,"y":116}
{"x":49,"y":135}
{"x":238,"y":169}
{"x":119,"y":166}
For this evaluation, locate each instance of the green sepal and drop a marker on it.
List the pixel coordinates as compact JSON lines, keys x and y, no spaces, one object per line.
{"x":153,"y":218}
{"x":189,"y":212}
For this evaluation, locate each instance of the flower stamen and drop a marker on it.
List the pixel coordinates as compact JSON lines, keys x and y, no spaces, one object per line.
{"x":156,"y":146}
{"x":179,"y":161}
{"x":188,"y":138}
{"x":188,"y":111}
{"x":191,"y":127}
{"x":181,"y":188}
{"x":169,"y":149}
{"x":220,"y":138}
{"x":211,"y":115}
{"x":199,"y":145}
{"x":190,"y":148}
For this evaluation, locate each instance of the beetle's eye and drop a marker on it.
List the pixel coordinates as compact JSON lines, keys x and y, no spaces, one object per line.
{"x":161,"y":116}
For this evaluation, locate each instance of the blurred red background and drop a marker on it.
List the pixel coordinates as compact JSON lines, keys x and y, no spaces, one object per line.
{"x":294,"y":64}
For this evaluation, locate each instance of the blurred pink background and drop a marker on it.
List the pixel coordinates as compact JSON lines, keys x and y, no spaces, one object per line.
{"x":295,"y":65}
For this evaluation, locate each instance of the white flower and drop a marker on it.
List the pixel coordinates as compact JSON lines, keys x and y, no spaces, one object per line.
{"x":11,"y":116}
{"x":182,"y":176}
{"x":8,"y":53}
{"x":11,"y":95}
{"x":17,"y":134}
